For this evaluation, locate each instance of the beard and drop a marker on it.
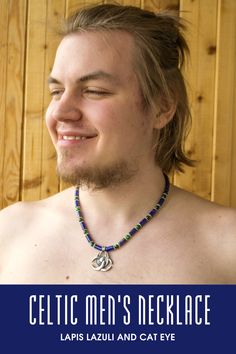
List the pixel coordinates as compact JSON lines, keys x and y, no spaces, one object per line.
{"x":95,"y":177}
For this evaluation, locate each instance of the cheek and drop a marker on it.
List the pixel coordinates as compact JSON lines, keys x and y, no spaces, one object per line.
{"x":105,"y":117}
{"x":119,"y":120}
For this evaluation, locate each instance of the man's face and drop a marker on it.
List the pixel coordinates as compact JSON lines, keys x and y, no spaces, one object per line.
{"x":95,"y":119}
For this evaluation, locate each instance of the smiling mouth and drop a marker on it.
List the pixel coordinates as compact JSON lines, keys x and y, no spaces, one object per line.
{"x":71,"y":138}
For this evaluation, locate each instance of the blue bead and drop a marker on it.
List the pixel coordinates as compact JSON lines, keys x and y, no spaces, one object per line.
{"x":83,"y":225}
{"x":122,"y":241}
{"x":134,"y":230}
{"x":143,"y":222}
{"x":89,"y":238}
{"x":109,"y":248}
{"x":152,"y":212}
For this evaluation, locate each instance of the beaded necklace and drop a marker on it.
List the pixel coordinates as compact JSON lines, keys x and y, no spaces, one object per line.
{"x":102,"y":262}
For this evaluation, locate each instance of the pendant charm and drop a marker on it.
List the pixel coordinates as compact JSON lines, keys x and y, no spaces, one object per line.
{"x":102,"y":262}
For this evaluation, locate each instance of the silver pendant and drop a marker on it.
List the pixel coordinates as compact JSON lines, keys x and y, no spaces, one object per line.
{"x":102,"y":262}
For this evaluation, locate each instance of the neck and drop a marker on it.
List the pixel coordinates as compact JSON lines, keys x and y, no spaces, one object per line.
{"x":130,"y":200}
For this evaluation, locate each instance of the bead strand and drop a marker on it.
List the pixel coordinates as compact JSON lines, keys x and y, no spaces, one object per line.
{"x":132,"y":232}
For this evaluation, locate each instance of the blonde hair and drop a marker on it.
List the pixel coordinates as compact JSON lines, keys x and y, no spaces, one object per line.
{"x":161,"y":50}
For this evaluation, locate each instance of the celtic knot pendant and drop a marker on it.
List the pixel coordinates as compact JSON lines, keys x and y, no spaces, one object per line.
{"x":102,"y":262}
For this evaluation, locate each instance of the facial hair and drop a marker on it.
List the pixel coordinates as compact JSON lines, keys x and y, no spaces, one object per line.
{"x":96,"y":177}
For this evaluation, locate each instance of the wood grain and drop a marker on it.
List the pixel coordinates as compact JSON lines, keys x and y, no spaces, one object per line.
{"x":28,"y":43}
{"x":34,"y":98}
{"x":224,"y":172}
{"x":74,"y":5}
{"x":13,"y":26}
{"x":153,"y":5}
{"x":200,"y":75}
{"x":3,"y":77}
{"x":56,"y":10}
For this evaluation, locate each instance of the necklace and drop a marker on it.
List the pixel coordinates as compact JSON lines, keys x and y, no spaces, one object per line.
{"x":102,"y":262}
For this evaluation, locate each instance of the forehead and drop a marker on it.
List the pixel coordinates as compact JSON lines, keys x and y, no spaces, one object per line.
{"x":84,"y":52}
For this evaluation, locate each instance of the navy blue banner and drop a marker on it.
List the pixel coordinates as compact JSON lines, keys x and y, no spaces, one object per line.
{"x":147,"y":319}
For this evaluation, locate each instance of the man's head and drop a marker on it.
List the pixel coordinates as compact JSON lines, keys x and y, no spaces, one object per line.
{"x":116,"y":81}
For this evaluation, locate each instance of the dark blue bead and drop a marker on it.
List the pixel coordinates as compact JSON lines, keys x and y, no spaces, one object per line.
{"x":109,"y":248}
{"x":133,"y":231}
{"x":122,"y":241}
{"x":83,"y":225}
{"x":143,"y":222}
{"x":152,"y":212}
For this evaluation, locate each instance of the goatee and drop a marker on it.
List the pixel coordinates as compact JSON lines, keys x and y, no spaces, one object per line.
{"x":96,"y":177}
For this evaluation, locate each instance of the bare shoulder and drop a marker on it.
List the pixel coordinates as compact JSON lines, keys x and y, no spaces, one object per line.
{"x":207,"y":213}
{"x":213,"y":227}
{"x":22,"y":215}
{"x":10,"y":215}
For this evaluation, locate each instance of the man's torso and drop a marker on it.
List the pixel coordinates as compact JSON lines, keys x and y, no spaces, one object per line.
{"x":186,"y":243}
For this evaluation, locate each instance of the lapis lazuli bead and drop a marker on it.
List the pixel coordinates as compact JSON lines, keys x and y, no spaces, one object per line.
{"x":134,"y":230}
{"x":143,"y":222}
{"x":152,"y":212}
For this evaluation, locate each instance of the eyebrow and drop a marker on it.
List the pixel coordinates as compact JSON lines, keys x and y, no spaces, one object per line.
{"x":96,"y":75}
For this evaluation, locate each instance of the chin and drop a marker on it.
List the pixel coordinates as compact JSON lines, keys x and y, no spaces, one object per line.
{"x":97,"y":177}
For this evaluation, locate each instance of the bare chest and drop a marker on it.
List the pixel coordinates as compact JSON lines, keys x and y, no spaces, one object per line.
{"x":63,"y":256}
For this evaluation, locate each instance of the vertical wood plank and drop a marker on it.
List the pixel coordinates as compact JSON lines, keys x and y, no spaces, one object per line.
{"x":34,"y":92}
{"x":3,"y":71}
{"x":74,"y":5}
{"x":12,"y":74}
{"x":154,"y":5}
{"x":233,"y":154}
{"x":130,"y":2}
{"x":200,"y":75}
{"x":39,"y":176}
{"x":55,"y":12}
{"x":224,"y":174}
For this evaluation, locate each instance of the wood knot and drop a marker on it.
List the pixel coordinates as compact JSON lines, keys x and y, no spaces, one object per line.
{"x":172,"y":7}
{"x":191,"y":152}
{"x":211,"y":50}
{"x":199,"y":98}
{"x":33,"y":183}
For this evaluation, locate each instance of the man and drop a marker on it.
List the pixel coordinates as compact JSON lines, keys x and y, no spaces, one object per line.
{"x":118,"y":118}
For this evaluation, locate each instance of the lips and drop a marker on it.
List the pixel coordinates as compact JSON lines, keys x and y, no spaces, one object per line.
{"x":75,"y":134}
{"x":70,"y":137}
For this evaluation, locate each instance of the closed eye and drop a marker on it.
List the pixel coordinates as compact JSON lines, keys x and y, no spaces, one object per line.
{"x":96,"y":92}
{"x":56,"y":92}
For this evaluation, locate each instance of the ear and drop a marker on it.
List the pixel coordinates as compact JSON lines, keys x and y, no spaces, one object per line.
{"x":164,"y":116}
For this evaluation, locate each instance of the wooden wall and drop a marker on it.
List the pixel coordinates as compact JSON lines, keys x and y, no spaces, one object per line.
{"x":27,"y":47}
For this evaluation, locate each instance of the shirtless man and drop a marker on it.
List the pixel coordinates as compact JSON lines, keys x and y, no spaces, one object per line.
{"x":117,"y":118}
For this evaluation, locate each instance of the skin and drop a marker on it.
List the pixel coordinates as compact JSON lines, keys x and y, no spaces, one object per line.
{"x":190,"y":241}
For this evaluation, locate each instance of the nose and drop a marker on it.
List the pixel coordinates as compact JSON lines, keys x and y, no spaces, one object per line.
{"x":66,"y":108}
